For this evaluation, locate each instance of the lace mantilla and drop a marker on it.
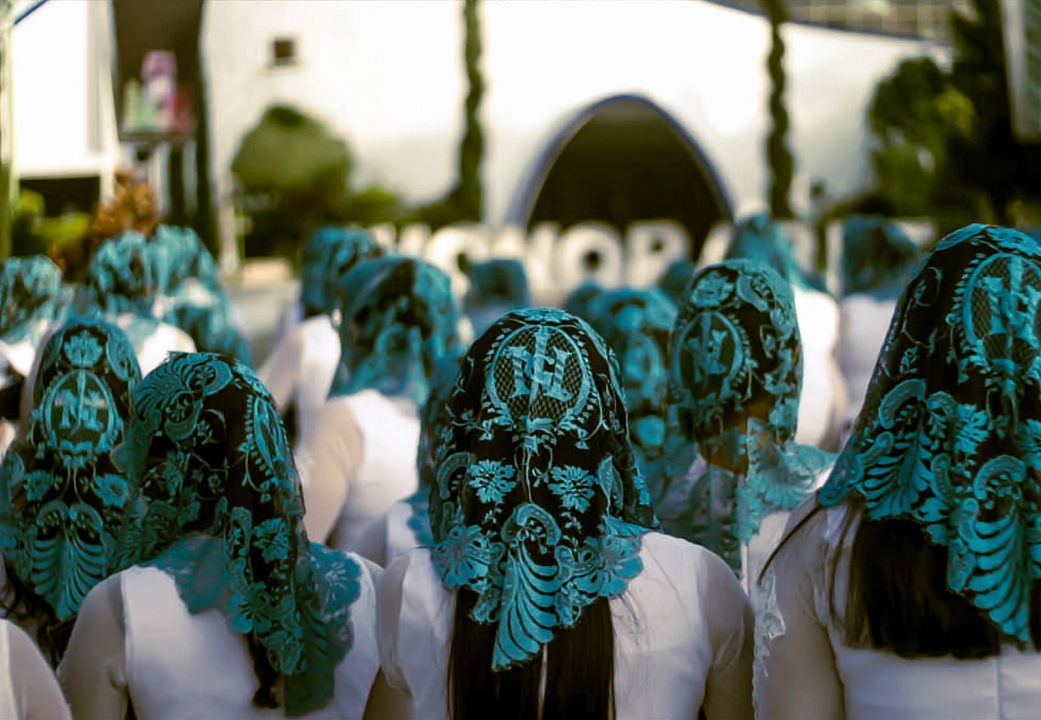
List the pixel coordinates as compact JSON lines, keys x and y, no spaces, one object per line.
{"x":399,"y":321}
{"x":219,"y":509}
{"x":62,"y":500}
{"x":537,"y":506}
{"x":736,"y":374}
{"x":950,"y":433}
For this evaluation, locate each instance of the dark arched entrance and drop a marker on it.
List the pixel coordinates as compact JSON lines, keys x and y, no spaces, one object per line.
{"x":622,"y":160}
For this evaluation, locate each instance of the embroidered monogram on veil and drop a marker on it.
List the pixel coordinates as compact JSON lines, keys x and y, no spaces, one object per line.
{"x":537,"y":506}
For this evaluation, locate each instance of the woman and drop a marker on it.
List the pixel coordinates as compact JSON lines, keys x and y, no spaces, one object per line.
{"x":229,"y":611}
{"x":399,"y":321}
{"x":910,"y":588}
{"x":735,"y":377}
{"x":121,"y":284}
{"x":497,"y":286}
{"x":877,"y":258}
{"x":33,"y":300}
{"x":171,"y":278}
{"x":300,"y":369}
{"x":821,"y":405}
{"x":636,"y":325}
{"x":62,"y":501}
{"x":547,"y":593}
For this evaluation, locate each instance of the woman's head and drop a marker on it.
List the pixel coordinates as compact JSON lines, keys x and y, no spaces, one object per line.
{"x":31,"y":289}
{"x":950,"y":433}
{"x":877,"y":256}
{"x":762,"y":239}
{"x":209,"y":458}
{"x":330,"y":253}
{"x":120,"y":277}
{"x":736,"y":362}
{"x":636,"y":325}
{"x":63,"y":500}
{"x":498,"y":281}
{"x":676,"y":279}
{"x":536,"y":485}
{"x":399,"y":321}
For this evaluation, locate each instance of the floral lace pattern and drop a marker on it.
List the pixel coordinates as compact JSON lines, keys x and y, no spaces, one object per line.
{"x":537,"y":506}
{"x":170,"y":277}
{"x":769,"y":625}
{"x":950,"y":433}
{"x":218,"y":507}
{"x":61,"y":499}
{"x":636,"y":325}
{"x":330,"y":254}
{"x":736,"y":374}
{"x":399,"y":321}
{"x":31,"y":290}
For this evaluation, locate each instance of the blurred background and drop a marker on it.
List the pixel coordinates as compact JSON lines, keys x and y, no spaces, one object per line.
{"x":593,"y":140}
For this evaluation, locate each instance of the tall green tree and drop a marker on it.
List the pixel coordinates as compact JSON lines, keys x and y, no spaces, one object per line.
{"x":468,"y":195}
{"x":945,"y":146}
{"x":778,"y":155}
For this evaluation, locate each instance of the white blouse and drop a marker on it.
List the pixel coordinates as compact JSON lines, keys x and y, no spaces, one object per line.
{"x":804,"y":668}
{"x":135,"y":639}
{"x":865,"y":322}
{"x":28,"y":688}
{"x":682,"y":635}
{"x":161,"y":339}
{"x":357,"y":461}
{"x":300,"y":369}
{"x":823,"y":395}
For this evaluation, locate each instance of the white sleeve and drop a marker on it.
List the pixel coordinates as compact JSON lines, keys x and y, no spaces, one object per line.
{"x":281,"y":371}
{"x":728,"y":687}
{"x":795,"y":671}
{"x":328,"y":457}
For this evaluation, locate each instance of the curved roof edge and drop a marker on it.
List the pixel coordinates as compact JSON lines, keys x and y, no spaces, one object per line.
{"x":524,"y":197}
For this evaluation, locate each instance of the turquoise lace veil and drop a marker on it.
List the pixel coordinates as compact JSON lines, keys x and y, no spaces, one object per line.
{"x":442,"y":387}
{"x":399,"y":320}
{"x":31,"y":290}
{"x":735,"y":376}
{"x":62,"y":500}
{"x":218,"y":508}
{"x":171,"y":278}
{"x":877,"y":257}
{"x":762,"y":239}
{"x":636,"y":325}
{"x":497,"y":286}
{"x":950,"y":432}
{"x":537,"y":506}
{"x":579,"y":302}
{"x":676,"y":279}
{"x":330,"y":254}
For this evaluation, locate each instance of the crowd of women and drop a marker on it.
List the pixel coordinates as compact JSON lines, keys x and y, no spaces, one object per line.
{"x":630,"y":507}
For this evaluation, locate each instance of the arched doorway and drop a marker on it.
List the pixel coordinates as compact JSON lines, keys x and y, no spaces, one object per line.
{"x":622,"y":160}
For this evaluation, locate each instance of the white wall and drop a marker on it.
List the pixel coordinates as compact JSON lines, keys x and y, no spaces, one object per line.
{"x":64,"y":116}
{"x":389,"y":76}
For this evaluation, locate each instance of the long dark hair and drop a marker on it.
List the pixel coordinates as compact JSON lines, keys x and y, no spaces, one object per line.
{"x":897,"y":597}
{"x":25,"y":608}
{"x":579,"y":670}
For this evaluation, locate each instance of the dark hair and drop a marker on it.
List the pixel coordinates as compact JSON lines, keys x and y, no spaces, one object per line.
{"x":898,"y":600}
{"x":28,"y":610}
{"x":579,"y":674}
